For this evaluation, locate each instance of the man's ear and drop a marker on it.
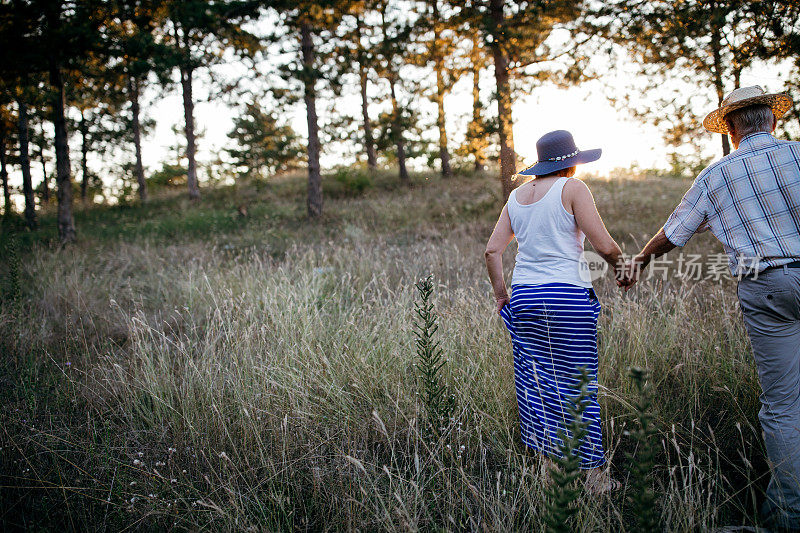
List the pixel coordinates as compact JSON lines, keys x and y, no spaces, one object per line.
{"x":731,"y":130}
{"x":774,"y":122}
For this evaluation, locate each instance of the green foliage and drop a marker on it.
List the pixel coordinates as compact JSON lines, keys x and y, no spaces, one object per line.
{"x":641,"y":497}
{"x":168,"y":176}
{"x":564,"y":489}
{"x":263,"y":145}
{"x":439,"y":402}
{"x":354,"y":181}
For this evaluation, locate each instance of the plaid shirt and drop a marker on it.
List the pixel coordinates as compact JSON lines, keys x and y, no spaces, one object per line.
{"x":750,"y":200}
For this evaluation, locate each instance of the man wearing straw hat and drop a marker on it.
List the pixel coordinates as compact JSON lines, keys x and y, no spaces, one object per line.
{"x":750,"y":201}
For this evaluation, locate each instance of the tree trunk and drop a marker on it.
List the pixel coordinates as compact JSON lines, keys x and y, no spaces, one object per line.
{"x":84,"y":157}
{"x":310,"y":96}
{"x":133,"y":93}
{"x":25,"y":163}
{"x":715,"y":53}
{"x":66,"y":224}
{"x":444,"y":155}
{"x":45,"y":179}
{"x":369,"y":142}
{"x":397,"y":128}
{"x":508,"y":163}
{"x":191,"y":149}
{"x":4,"y":171}
{"x":478,"y":140}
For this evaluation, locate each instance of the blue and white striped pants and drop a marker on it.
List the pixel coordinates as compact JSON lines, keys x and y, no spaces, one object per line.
{"x":553,"y":329}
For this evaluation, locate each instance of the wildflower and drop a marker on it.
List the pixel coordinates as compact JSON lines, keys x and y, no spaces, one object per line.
{"x":173,"y":480}
{"x":136,"y":462}
{"x":132,"y":483}
{"x":140,"y":454}
{"x":171,"y":450}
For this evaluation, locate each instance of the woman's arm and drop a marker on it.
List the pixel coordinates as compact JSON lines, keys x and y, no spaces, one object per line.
{"x":498,"y":242}
{"x":591,"y":224}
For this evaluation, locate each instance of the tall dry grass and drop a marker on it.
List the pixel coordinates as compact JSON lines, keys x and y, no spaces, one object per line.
{"x":263,"y":378}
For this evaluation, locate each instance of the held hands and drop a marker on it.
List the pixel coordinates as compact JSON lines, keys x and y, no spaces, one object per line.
{"x":627,"y":272}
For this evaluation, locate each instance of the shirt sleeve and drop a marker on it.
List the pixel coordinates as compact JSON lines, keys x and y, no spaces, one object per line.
{"x":690,"y":217}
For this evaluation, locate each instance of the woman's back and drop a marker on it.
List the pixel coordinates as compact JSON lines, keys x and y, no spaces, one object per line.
{"x":550,"y":244}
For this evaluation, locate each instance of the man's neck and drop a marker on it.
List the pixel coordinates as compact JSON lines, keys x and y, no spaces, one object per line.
{"x":737,"y":140}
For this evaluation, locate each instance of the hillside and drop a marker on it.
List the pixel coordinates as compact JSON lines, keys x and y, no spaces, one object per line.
{"x":230,"y":364}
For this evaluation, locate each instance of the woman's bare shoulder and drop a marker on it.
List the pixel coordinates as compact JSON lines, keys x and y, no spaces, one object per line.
{"x":575,"y":188}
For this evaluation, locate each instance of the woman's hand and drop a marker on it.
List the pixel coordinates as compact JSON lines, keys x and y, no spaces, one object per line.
{"x":501,"y":301}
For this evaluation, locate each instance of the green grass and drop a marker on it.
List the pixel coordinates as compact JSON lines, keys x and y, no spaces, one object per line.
{"x":182,"y":366}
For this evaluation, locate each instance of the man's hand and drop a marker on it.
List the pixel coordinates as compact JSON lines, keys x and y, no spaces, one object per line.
{"x":622,"y":274}
{"x":633,"y":270}
{"x":501,"y":301}
{"x":627,"y":273}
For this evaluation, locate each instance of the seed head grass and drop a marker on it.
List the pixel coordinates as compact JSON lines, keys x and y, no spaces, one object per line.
{"x":183,"y":366}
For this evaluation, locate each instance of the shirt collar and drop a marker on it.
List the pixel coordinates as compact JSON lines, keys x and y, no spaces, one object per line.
{"x":756,"y":140}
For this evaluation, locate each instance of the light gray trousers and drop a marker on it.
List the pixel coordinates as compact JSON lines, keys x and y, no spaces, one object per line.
{"x":771,"y":308}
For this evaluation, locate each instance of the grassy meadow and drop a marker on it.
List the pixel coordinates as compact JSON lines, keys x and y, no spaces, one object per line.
{"x":186,"y":367}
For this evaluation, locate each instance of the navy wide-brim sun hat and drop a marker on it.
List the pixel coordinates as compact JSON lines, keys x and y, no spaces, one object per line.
{"x":557,"y":151}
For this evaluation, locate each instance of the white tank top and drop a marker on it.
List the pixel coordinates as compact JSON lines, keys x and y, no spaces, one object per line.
{"x":550,"y":245}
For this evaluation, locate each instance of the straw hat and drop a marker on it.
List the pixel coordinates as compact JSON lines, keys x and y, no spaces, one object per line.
{"x":557,"y":151}
{"x":743,"y":97}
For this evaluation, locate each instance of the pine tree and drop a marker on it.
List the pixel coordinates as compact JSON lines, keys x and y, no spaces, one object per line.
{"x":47,"y":37}
{"x":6,"y":124}
{"x":41,"y":144}
{"x":356,"y":58}
{"x":394,"y":36}
{"x":696,"y":40}
{"x":70,"y":31}
{"x":198,"y":33}
{"x":307,"y":22}
{"x":25,"y":165}
{"x":21,"y":35}
{"x":777,"y":24}
{"x":98,"y":94}
{"x":476,"y":142}
{"x":515,"y":32}
{"x":263,"y":144}
{"x":438,"y":39}
{"x":138,"y":54}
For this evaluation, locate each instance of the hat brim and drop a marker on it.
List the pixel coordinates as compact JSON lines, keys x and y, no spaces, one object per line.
{"x":780,"y":103}
{"x":546,"y":167}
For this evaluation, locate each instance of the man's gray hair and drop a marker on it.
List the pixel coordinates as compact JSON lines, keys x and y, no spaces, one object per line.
{"x":750,"y":119}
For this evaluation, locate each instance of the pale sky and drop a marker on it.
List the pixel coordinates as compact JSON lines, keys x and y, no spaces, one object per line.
{"x":584,"y":111}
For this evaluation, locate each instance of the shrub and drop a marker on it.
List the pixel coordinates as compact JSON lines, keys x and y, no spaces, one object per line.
{"x":564,"y":489}
{"x":439,"y":403}
{"x":353,"y":181}
{"x":641,"y":496}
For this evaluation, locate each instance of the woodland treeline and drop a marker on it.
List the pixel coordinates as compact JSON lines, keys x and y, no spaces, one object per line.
{"x":73,"y":72}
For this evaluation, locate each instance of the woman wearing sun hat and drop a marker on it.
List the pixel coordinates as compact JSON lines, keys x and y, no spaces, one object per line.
{"x":553,"y":309}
